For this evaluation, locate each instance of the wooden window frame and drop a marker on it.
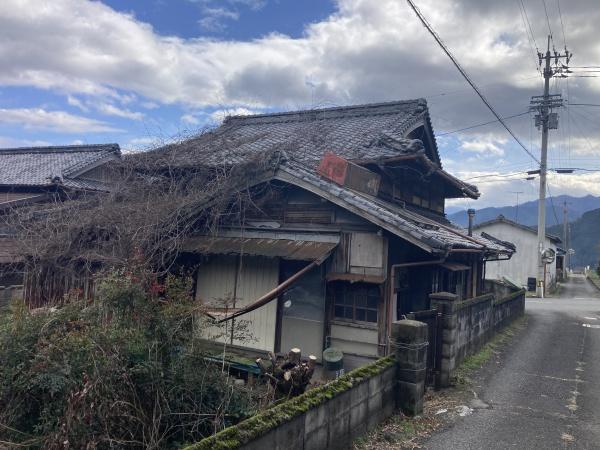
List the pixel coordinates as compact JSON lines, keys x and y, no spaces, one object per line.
{"x":347,"y":296}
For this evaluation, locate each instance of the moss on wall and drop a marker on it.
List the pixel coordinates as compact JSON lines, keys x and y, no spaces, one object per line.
{"x":265,"y":421}
{"x":510,"y":297}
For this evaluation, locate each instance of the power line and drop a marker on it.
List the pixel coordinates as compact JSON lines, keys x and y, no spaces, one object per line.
{"x":456,"y":91}
{"x":562,"y":25}
{"x":466,"y":76}
{"x":482,"y":124}
{"x":552,"y":204}
{"x":547,"y":19}
{"x":530,"y":28}
{"x":529,"y":38}
{"x":499,"y":175}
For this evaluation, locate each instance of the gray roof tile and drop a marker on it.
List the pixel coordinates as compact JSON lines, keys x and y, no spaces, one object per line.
{"x":362,"y":132}
{"x":38,"y":166}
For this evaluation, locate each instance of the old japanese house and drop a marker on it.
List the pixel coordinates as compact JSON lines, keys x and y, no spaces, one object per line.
{"x":342,"y":230}
{"x":40,"y":175}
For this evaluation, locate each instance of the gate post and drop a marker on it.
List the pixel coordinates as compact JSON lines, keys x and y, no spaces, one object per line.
{"x":409,"y":341}
{"x":444,"y":302}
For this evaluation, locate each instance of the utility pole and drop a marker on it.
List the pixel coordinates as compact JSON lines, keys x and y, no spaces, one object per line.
{"x":565,"y":235}
{"x":547,"y":120}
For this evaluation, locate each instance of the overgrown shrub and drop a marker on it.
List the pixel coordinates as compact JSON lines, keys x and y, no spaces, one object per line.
{"x":125,"y":371}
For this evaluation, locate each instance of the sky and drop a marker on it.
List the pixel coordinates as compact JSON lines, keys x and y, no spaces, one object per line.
{"x":141,"y":73}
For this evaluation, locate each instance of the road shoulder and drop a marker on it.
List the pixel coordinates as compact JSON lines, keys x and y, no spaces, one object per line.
{"x":444,"y":408}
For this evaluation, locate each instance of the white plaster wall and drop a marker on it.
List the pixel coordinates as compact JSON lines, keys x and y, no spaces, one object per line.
{"x":523,"y":263}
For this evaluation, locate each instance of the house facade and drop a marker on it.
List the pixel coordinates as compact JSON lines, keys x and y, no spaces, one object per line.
{"x":524,"y":263}
{"x":44,"y":174}
{"x":343,"y":230}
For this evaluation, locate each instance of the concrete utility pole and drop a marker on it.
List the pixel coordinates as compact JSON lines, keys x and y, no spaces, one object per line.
{"x":565,"y":222}
{"x":548,"y":120}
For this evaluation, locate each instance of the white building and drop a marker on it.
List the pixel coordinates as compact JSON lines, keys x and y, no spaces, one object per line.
{"x":523,"y":264}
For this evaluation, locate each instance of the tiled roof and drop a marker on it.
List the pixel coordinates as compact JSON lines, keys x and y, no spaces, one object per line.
{"x":360,"y":133}
{"x":425,"y":232}
{"x":39,"y":166}
{"x":502,"y":219}
{"x":363,"y":132}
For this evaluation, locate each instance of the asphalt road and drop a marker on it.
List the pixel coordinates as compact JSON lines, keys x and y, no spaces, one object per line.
{"x":546,"y":392}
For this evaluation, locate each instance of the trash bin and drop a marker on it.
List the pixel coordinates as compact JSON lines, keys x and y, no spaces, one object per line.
{"x":333,"y":362}
{"x":531,"y":284}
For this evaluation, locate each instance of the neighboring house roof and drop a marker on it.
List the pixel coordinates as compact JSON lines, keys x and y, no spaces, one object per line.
{"x":60,"y":165}
{"x":362,"y":134}
{"x":502,"y":219}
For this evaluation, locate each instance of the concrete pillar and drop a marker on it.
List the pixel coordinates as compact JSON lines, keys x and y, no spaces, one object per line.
{"x":445,"y":303}
{"x":409,"y":340}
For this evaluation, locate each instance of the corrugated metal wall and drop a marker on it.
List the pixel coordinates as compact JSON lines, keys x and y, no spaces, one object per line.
{"x":259,"y":275}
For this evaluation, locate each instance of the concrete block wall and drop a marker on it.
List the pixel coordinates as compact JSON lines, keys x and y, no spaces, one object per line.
{"x":468,"y":325}
{"x":337,"y":414}
{"x":332,"y":416}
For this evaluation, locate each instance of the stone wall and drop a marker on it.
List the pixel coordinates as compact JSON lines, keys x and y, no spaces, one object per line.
{"x":326,"y":417}
{"x":332,"y":416}
{"x":467,"y":325}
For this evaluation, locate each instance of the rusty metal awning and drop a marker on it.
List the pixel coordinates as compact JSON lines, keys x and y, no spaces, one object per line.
{"x":455,"y":267}
{"x":294,"y":249}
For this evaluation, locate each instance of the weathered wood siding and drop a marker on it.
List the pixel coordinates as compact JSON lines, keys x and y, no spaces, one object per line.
{"x":217,"y":282}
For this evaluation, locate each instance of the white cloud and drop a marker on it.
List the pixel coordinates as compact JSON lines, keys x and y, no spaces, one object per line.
{"x":56,"y":121}
{"x":73,"y":101}
{"x":484,"y":146}
{"x":220,"y":114}
{"x":112,"y":110}
{"x":367,"y":51}
{"x":190,"y":119}
{"x":214,"y":18}
{"x":8,"y":142}
{"x":106,"y":108}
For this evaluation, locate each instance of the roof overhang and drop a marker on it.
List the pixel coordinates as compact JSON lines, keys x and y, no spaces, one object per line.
{"x":292,"y":246}
{"x":465,"y":189}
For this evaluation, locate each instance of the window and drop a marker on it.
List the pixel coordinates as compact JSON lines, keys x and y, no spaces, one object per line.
{"x":357,"y":302}
{"x":454,"y":282}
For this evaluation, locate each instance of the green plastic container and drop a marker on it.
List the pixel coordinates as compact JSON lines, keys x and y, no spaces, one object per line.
{"x":333,"y":359}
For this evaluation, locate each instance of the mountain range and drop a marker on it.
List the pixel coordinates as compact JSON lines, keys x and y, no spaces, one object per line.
{"x":584,"y":239}
{"x":526,"y":213}
{"x":583,"y":217}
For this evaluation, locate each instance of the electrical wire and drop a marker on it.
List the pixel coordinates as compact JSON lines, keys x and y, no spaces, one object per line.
{"x":438,"y":39}
{"x":529,"y":38}
{"x":547,"y":19}
{"x":552,"y":203}
{"x":530,"y":28}
{"x":562,"y":25}
{"x":482,"y":124}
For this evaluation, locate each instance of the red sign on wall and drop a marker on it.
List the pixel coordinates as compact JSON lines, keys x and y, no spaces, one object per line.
{"x":333,"y":167}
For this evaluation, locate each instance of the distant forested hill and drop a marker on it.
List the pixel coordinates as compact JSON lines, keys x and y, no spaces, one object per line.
{"x":585,"y":239}
{"x":527,"y":212}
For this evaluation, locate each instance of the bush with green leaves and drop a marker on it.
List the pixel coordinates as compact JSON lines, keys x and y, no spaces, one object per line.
{"x":126,"y":371}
